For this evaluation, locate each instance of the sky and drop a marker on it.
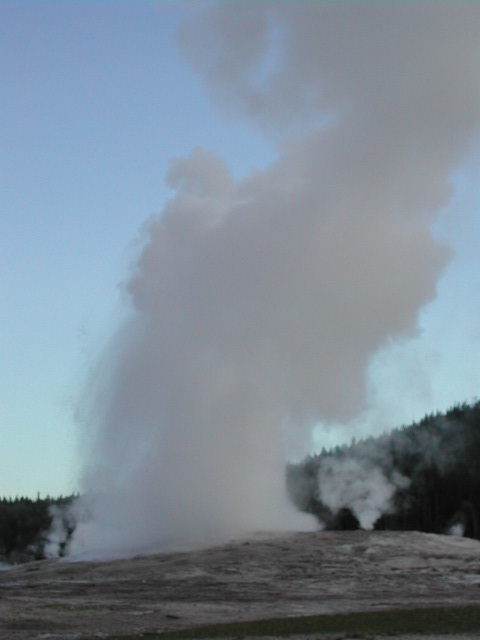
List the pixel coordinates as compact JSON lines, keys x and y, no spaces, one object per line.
{"x":122,"y":120}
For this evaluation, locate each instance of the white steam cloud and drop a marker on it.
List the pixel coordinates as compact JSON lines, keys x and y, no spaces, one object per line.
{"x":359,"y":484}
{"x":365,"y":478}
{"x":258,"y":303}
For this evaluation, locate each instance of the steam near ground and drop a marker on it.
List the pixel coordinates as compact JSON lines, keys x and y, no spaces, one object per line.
{"x":257,"y":304}
{"x":360,"y":485}
{"x":366,"y":477}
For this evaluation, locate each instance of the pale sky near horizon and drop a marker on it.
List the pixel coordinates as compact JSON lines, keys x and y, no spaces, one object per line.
{"x":95,"y":100}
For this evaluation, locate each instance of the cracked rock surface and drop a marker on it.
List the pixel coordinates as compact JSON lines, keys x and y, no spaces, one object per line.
{"x":267,"y":575}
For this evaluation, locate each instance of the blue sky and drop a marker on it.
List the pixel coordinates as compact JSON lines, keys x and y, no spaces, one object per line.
{"x":95,"y":100}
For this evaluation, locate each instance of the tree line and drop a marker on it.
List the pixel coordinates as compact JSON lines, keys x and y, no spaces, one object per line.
{"x":433,"y":467}
{"x":24,"y":527}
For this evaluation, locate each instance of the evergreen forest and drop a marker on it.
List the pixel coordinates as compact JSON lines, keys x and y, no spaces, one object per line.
{"x":423,"y":477}
{"x":25,"y":526}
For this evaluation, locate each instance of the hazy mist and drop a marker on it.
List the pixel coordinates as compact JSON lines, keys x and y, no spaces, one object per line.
{"x":257,"y":304}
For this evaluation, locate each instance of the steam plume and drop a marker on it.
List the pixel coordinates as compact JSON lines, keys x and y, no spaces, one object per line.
{"x":258,"y":303}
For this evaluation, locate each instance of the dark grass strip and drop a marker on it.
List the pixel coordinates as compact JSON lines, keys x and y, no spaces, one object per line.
{"x":439,"y":620}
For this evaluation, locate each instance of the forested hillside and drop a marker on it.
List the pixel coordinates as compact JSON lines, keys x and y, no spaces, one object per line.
{"x":423,"y":477}
{"x":24,"y":527}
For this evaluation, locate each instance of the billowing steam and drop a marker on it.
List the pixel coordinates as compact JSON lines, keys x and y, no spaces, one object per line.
{"x":360,"y":485}
{"x":257,"y":304}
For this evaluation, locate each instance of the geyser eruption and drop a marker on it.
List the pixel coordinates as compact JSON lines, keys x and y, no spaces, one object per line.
{"x":257,"y":304}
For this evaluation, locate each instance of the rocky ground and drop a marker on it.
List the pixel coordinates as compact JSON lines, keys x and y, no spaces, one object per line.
{"x":268,"y":575}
